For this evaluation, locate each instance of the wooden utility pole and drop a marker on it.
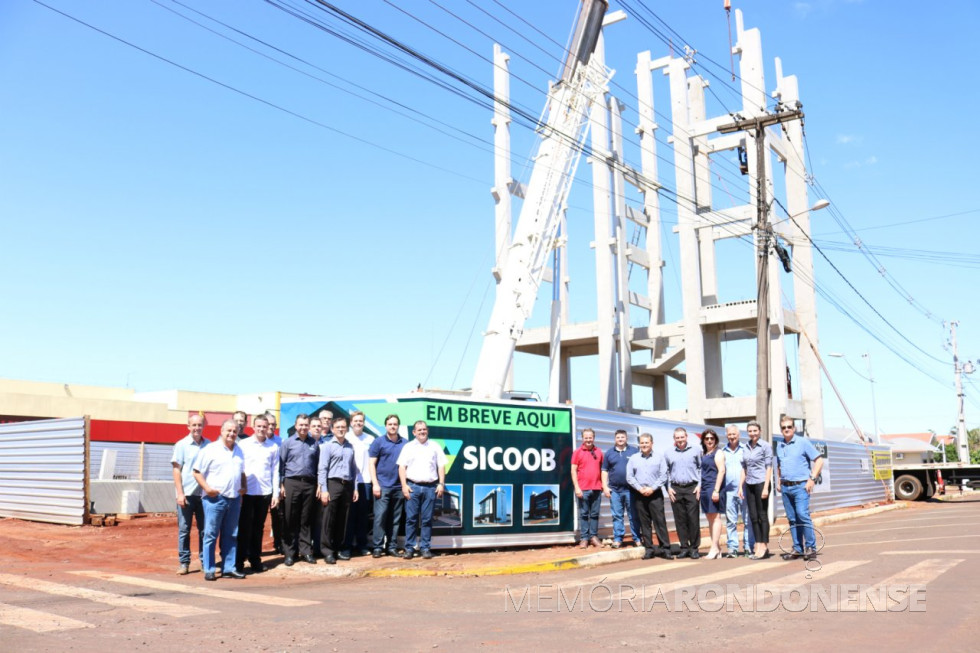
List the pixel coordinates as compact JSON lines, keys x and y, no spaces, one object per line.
{"x":763,"y":401}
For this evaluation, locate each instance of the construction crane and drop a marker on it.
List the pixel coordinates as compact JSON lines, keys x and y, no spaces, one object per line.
{"x":582,"y":83}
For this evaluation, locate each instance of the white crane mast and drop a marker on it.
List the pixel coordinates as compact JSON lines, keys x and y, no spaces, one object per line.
{"x":583,"y":82}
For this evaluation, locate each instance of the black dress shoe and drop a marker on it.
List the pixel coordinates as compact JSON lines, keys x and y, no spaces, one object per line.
{"x":427,"y":554}
{"x":343,"y":555}
{"x":234,"y":574}
{"x":330,"y":559}
{"x":730,"y":555}
{"x":409,"y":554}
{"x":695,"y":554}
{"x":308,"y":558}
{"x":289,"y":562}
{"x":795,"y":555}
{"x":257,"y":567}
{"x":377,"y":553}
{"x":683,"y":553}
{"x":209,"y":576}
{"x":394,"y":553}
{"x":811,"y":554}
{"x":648,"y":554}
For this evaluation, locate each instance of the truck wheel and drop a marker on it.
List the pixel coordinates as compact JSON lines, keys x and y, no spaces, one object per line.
{"x":908,"y":488}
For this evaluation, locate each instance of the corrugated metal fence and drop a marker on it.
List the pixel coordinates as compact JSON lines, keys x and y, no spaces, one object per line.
{"x":135,"y":461}
{"x":43,"y":470}
{"x":851,"y":470}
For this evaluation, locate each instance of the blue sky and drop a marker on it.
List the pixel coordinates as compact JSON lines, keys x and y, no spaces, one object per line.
{"x":270,"y":229}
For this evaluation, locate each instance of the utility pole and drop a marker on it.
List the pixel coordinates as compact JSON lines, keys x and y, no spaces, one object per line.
{"x":962,"y":440}
{"x":763,"y":401}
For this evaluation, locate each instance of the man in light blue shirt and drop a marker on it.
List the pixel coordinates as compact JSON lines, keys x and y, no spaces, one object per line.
{"x":646,"y":475}
{"x":189,"y":505}
{"x":336,"y":477}
{"x":734,"y":489}
{"x":684,"y":487}
{"x":799,"y":464}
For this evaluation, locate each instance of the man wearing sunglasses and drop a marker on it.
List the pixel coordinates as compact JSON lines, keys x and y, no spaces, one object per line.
{"x":799,"y":464}
{"x":587,"y":479}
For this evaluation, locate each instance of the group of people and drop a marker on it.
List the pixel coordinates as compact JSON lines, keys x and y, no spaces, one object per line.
{"x":336,"y":491}
{"x":332,"y":490}
{"x":734,"y":480}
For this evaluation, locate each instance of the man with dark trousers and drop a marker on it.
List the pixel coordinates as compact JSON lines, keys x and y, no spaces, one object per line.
{"x":298,"y":460}
{"x":261,"y":492}
{"x":389,"y":503}
{"x":277,"y":512}
{"x":646,"y":475}
{"x":684,"y":477}
{"x":336,"y":475}
{"x":358,"y":538}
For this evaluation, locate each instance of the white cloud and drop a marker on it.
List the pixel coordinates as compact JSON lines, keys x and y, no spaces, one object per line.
{"x":870,"y":161}
{"x":845,"y":139}
{"x":803,"y":8}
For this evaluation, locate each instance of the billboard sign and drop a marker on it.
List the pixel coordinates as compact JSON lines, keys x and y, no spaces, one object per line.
{"x":505,"y":462}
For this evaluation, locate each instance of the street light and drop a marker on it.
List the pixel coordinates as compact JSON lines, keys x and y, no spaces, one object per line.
{"x":871,"y":379}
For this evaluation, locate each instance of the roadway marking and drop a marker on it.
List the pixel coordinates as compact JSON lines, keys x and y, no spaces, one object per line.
{"x":898,"y":541}
{"x":202,"y":591}
{"x":958,"y":525}
{"x":647,"y":569}
{"x":785,"y":584}
{"x":921,"y":573}
{"x":115,"y":600}
{"x":39,"y":622}
{"x":707,"y":579}
{"x":936,"y":552}
{"x":886,"y":517}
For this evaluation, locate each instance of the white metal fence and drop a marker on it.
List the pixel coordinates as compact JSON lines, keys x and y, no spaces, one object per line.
{"x":43,"y":470}
{"x":850,"y":468}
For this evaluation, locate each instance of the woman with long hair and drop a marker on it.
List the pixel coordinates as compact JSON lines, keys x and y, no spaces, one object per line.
{"x":712,"y":488}
{"x":757,"y":462}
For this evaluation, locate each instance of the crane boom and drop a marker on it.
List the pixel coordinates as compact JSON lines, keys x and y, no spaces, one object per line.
{"x":583,"y":81}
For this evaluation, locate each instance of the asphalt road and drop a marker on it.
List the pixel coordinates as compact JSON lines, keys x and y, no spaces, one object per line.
{"x":902,"y":579}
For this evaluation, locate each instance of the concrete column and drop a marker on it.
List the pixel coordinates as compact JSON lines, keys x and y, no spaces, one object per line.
{"x":651,"y":207}
{"x":604,"y":242}
{"x":690,"y":266}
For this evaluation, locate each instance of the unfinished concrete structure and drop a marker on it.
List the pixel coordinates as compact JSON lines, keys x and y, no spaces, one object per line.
{"x":643,"y":353}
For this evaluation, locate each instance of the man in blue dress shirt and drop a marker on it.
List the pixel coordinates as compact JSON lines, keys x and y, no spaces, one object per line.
{"x":298,"y":460}
{"x":684,"y":475}
{"x":799,"y":465}
{"x":646,"y":474}
{"x":336,"y":474}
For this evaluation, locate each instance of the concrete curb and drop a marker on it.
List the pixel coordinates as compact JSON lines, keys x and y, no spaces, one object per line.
{"x":583,"y":561}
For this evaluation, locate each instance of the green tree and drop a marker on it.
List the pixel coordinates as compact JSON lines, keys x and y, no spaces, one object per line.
{"x":952,"y":453}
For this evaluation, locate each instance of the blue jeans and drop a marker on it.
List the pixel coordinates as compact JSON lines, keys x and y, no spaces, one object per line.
{"x":388,"y":510}
{"x":418,"y":516}
{"x":588,"y":513}
{"x":621,"y":501}
{"x":796,"y":501}
{"x":733,"y":509}
{"x":220,"y":525}
{"x":194,"y":510}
